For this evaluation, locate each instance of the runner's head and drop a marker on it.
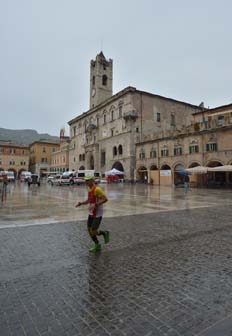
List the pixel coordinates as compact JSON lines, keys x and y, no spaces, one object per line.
{"x":89,"y":180}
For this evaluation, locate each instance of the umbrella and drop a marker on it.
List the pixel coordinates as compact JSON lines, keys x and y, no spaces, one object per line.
{"x":113,"y":171}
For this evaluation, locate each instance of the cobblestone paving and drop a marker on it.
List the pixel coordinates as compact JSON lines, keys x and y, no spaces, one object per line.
{"x":163,"y":274}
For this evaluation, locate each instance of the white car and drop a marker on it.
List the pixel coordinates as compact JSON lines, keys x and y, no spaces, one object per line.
{"x":56,"y":180}
{"x":50,"y":178}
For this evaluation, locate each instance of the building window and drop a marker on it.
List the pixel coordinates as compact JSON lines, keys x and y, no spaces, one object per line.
{"x":220,"y":120}
{"x":103,"y":158}
{"x":158,"y":117}
{"x":178,"y":151}
{"x":93,"y":80}
{"x":120,"y":150}
{"x":104,"y":80}
{"x":164,"y":152}
{"x":12,"y":151}
{"x":112,"y":132}
{"x":112,"y":115}
{"x":153,"y":153}
{"x":212,"y":147}
{"x":74,"y":131}
{"x":193,"y":149}
{"x":115,"y":151}
{"x":173,"y":121}
{"x":104,"y":118}
{"x":44,"y":160}
{"x":44,"y":150}
{"x":120,"y":111}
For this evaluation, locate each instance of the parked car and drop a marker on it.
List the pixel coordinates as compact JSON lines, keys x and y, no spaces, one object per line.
{"x":56,"y":180}
{"x":68,"y":177}
{"x":50,"y":178}
{"x":34,"y":179}
{"x":24,"y":176}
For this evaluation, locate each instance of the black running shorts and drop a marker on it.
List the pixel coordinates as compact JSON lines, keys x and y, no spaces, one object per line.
{"x":94,"y":223}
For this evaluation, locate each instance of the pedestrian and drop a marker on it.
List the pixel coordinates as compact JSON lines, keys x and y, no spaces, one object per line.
{"x":186,"y":182}
{"x":96,"y":199}
{"x":4,"y":185}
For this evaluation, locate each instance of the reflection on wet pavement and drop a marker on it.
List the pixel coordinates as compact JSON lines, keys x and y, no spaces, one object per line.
{"x":51,"y":204}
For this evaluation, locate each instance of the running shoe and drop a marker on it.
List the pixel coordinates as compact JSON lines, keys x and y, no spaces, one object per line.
{"x":95,"y":248}
{"x":107,"y":237}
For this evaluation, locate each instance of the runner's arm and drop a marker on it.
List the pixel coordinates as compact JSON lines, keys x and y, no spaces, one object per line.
{"x":82,"y":203}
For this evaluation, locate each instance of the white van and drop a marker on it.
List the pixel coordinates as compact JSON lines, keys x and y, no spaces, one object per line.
{"x":81,"y":174}
{"x":24,"y":176}
{"x":10,"y":175}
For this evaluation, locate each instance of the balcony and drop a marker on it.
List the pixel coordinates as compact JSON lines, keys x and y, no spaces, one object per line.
{"x":90,"y":128}
{"x":131,"y":115}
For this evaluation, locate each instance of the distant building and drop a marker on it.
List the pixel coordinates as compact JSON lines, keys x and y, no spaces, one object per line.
{"x":41,"y":155}
{"x":60,"y":158}
{"x":14,"y":157}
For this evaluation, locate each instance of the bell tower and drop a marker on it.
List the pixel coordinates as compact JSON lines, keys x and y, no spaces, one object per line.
{"x":101,"y":80}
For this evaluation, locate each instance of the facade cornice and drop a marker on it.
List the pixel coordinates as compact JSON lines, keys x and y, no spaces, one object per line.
{"x":3,"y":144}
{"x":215,"y":109}
{"x":44,"y":143}
{"x":185,"y":135}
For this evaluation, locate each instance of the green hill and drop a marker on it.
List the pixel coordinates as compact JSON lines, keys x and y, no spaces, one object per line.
{"x":26,"y":136}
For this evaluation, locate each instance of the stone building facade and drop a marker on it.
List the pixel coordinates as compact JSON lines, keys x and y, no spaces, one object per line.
{"x":206,"y":142}
{"x":105,"y":136}
{"x":14,"y":157}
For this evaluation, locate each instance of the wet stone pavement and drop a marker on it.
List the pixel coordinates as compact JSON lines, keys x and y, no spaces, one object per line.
{"x":166,"y":272}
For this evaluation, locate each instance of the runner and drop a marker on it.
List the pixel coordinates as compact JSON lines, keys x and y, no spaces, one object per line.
{"x":96,"y":199}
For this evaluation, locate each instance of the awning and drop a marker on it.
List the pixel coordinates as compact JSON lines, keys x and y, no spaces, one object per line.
{"x":226,"y":168}
{"x":198,"y":170}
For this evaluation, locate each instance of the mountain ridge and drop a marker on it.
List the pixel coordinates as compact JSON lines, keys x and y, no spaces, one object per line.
{"x":24,"y":136}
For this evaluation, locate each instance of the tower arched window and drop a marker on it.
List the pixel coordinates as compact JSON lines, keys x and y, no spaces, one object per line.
{"x":120,"y":150}
{"x":93,"y":80}
{"x":104,"y":80}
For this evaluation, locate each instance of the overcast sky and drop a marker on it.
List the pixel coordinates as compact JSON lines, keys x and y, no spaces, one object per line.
{"x":176,"y":48}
